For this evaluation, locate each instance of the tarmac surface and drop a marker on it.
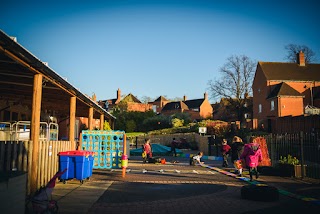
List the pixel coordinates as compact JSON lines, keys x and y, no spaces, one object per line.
{"x":180,"y":188}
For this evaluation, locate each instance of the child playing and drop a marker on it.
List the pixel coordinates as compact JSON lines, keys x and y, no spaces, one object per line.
{"x":225,"y":149}
{"x":252,"y":155}
{"x":196,"y":159}
{"x":147,"y":151}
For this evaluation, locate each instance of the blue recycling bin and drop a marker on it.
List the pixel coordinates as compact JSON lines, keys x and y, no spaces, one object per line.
{"x":79,"y":165}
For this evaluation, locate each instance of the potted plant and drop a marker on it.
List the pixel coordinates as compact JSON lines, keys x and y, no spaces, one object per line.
{"x":290,"y":166}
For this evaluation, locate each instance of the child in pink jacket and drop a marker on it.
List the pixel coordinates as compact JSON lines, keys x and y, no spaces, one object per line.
{"x":252,"y":155}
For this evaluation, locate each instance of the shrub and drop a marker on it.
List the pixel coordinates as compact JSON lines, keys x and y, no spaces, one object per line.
{"x":289,"y":160}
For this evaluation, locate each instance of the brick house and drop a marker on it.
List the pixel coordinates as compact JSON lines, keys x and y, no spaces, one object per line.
{"x":197,"y":108}
{"x":223,"y":110}
{"x":128,"y":103}
{"x":159,"y":103}
{"x":284,"y":89}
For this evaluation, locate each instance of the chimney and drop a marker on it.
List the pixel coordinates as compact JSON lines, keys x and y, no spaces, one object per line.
{"x":118,"y":95}
{"x":205,"y":96}
{"x":300,"y":59}
{"x":184,"y":98}
{"x":94,"y":97}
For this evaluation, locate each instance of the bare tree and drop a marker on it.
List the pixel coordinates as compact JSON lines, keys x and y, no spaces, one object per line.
{"x":294,"y":49}
{"x":146,"y":99}
{"x":235,"y":82}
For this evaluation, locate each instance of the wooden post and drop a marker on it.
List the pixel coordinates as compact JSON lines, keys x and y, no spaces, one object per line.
{"x":90,"y":119}
{"x":80,"y":142}
{"x":101,"y":121}
{"x":111,"y":122}
{"x":35,"y":129}
{"x":72,"y":121}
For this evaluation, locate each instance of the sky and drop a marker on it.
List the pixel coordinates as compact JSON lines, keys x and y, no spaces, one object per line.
{"x":156,"y":48}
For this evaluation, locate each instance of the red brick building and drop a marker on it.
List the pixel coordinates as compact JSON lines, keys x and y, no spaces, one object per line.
{"x":128,"y":103}
{"x":197,"y":108}
{"x":159,"y":103}
{"x":284,"y":89}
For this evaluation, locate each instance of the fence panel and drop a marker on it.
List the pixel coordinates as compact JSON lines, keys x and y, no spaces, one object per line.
{"x":304,"y":146}
{"x":17,"y":155}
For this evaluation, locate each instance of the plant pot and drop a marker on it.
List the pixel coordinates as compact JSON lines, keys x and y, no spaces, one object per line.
{"x":298,"y":171}
{"x":289,"y":170}
{"x":286,"y":170}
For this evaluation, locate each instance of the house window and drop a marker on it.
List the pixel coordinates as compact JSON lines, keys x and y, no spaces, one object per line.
{"x":272,"y":105}
{"x":6,"y":116}
{"x":14,"y":116}
{"x":154,"y":108}
{"x":260,"y":108}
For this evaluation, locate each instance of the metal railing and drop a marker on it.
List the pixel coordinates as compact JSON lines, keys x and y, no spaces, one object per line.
{"x":21,"y":131}
{"x":304,"y":146}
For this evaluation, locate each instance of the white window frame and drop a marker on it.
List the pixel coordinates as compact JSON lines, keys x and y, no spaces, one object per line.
{"x":260,"y":108}
{"x":272,"y":105}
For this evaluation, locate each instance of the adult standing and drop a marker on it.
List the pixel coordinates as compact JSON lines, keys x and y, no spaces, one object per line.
{"x":173,"y":147}
{"x":252,"y":155}
{"x":236,"y":151}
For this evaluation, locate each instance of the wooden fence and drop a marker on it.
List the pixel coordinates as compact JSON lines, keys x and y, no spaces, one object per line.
{"x":291,"y":124}
{"x":17,"y":156}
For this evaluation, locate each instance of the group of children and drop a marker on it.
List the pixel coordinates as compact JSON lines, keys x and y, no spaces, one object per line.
{"x":242,"y":155}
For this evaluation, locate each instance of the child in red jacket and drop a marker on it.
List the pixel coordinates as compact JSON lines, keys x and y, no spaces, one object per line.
{"x":225,"y":150}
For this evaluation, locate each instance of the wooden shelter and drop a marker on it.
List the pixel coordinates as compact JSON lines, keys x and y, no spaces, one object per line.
{"x":28,"y":83}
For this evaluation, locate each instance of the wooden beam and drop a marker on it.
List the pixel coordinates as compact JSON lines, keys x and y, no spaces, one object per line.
{"x":101,"y":121}
{"x":90,"y":119}
{"x":72,"y":121}
{"x":35,"y":129}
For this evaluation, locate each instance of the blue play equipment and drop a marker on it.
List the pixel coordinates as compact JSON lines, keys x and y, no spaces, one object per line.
{"x":106,"y":145}
{"x":157,"y":150}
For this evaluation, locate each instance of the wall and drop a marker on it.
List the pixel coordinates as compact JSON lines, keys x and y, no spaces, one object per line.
{"x":295,"y":124}
{"x":291,"y":106}
{"x":259,"y":89}
{"x":206,"y":110}
{"x":141,"y":107}
{"x":201,"y":141}
{"x":13,"y":192}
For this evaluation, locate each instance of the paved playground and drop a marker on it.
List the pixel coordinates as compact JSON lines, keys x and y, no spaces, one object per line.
{"x":180,"y":188}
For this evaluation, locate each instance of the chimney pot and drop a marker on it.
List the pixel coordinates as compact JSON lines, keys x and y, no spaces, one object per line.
{"x":301,"y":59}
{"x":205,"y":96}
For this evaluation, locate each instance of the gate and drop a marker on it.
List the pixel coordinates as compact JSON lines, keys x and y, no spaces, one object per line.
{"x":106,"y":145}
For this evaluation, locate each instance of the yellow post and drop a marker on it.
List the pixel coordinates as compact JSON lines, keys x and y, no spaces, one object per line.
{"x":124,"y":166}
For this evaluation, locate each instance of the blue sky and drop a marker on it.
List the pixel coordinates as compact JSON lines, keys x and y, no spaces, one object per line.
{"x":152,"y":48}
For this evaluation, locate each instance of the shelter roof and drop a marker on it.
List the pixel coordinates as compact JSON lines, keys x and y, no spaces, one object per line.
{"x":17,"y":70}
